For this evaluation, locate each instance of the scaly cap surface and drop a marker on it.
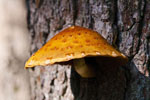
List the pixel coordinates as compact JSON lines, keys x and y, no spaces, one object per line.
{"x":72,"y":43}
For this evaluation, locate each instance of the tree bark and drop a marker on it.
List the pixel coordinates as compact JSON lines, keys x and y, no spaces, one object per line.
{"x":124,"y":23}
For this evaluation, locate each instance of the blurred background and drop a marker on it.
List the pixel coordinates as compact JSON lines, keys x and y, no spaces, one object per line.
{"x":14,"y":50}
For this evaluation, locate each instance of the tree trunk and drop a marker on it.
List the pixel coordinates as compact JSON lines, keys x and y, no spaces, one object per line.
{"x":124,"y":23}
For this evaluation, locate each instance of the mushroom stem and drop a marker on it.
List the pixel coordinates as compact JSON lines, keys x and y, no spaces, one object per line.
{"x":83,"y":69}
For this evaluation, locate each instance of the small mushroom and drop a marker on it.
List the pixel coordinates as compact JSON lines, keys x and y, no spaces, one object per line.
{"x":75,"y":43}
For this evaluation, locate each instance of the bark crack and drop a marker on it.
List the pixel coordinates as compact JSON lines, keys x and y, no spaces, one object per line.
{"x":141,"y":23}
{"x":148,"y":52}
{"x":130,"y":26}
{"x":75,"y":10}
{"x":115,"y":23}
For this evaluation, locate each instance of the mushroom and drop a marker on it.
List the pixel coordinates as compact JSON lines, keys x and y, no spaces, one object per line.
{"x":75,"y":43}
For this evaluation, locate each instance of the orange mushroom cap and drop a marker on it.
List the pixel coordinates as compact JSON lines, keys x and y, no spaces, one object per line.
{"x":72,"y":43}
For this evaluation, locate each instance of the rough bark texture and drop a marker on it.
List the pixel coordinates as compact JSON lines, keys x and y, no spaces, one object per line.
{"x":124,"y":23}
